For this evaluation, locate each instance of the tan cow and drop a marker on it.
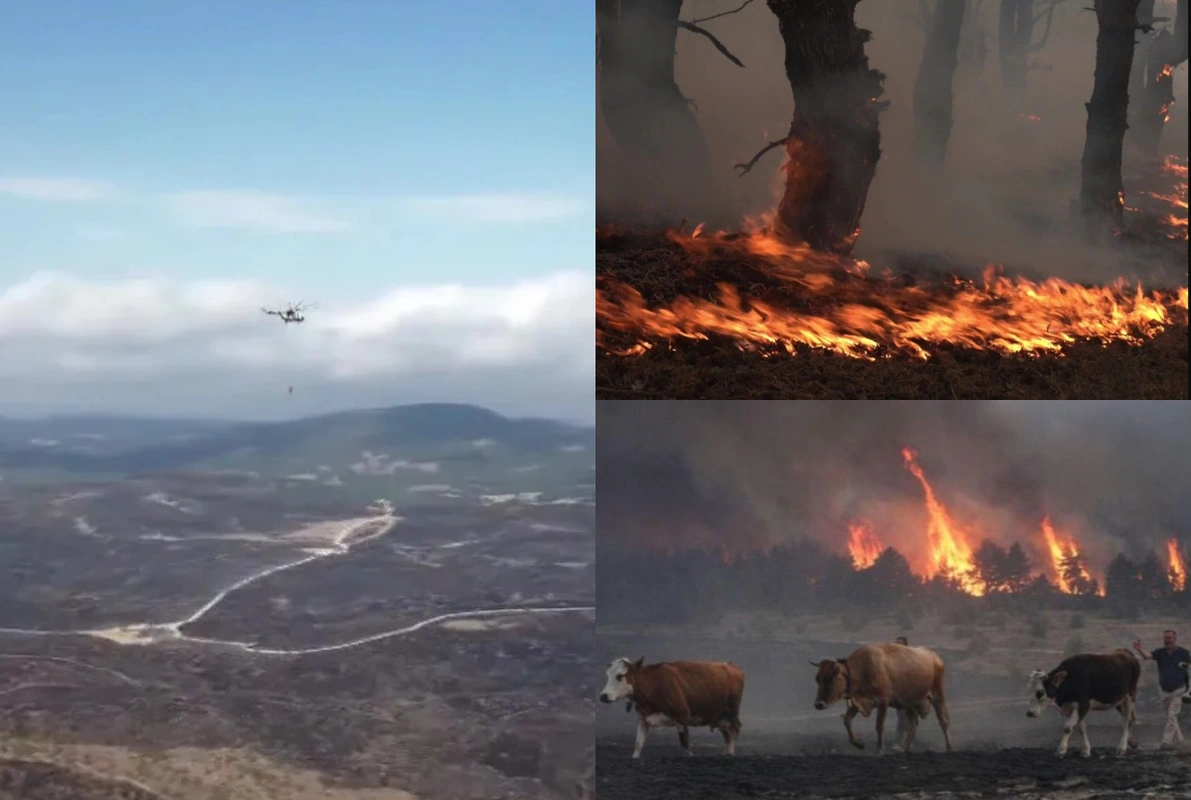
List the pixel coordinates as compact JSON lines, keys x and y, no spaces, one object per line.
{"x":885,"y":676}
{"x":680,"y":694}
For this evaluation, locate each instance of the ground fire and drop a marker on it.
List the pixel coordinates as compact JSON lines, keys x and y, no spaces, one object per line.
{"x":844,"y":310}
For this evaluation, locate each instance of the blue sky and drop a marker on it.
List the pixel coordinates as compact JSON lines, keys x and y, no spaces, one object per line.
{"x":353,"y":109}
{"x":424,"y":171}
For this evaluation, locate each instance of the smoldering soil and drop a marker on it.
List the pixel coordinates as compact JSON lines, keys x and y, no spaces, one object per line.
{"x":1004,"y":196}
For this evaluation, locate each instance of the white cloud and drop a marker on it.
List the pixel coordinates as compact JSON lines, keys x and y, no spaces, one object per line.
{"x":61,"y":190}
{"x":255,"y":210}
{"x":74,"y":342}
{"x":504,"y":207}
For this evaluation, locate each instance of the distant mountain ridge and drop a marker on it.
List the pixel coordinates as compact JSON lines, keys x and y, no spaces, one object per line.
{"x":129,"y":445}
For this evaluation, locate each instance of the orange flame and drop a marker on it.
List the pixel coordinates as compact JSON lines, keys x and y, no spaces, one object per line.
{"x":950,"y":552}
{"x":1178,"y":567}
{"x":863,"y":544}
{"x":1060,"y":551}
{"x":868,"y":317}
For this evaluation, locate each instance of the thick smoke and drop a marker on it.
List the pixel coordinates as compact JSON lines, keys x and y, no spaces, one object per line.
{"x":747,"y":475}
{"x":1004,"y":195}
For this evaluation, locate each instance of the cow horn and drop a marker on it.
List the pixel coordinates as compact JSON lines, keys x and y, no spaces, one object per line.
{"x":814,"y":663}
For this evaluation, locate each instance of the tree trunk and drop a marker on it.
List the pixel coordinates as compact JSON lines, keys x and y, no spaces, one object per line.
{"x":1014,"y":35}
{"x":835,"y":141}
{"x":933,"y":90}
{"x":1152,"y":88}
{"x":665,"y":154}
{"x":1137,"y":75}
{"x":1102,"y":193}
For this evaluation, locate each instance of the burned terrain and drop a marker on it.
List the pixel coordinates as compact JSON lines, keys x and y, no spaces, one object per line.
{"x":1029,"y":774}
{"x":218,"y":634}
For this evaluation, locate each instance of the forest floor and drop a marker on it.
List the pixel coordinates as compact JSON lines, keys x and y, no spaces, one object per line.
{"x":717,"y":366}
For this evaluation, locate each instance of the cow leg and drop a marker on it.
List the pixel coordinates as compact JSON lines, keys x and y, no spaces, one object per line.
{"x":850,"y":715}
{"x":642,"y":731}
{"x":684,"y":739}
{"x":1086,"y":751}
{"x":882,"y":709}
{"x":1075,"y":719}
{"x":902,"y":726}
{"x":1130,"y":718}
{"x":729,"y":734}
{"x":911,"y":729}
{"x":940,"y":705}
{"x":1126,"y":709}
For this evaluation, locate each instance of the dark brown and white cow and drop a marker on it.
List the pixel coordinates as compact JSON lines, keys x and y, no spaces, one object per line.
{"x":1186,"y":668}
{"x":679,"y":694}
{"x":885,"y":676}
{"x":1088,"y":682}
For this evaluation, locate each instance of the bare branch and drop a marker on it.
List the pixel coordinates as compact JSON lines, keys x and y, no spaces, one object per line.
{"x":746,"y":168}
{"x":1049,"y":13}
{"x":693,"y":28}
{"x":722,"y":13}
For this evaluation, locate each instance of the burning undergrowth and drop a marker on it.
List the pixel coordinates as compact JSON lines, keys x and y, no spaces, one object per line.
{"x":698,"y":314}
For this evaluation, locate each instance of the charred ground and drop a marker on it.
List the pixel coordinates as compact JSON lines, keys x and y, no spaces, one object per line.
{"x":467,"y":708}
{"x":1029,"y":774}
{"x":718,"y":367}
{"x":788,"y":750}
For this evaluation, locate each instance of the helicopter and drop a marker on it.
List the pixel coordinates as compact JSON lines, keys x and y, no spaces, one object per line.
{"x":291,"y":313}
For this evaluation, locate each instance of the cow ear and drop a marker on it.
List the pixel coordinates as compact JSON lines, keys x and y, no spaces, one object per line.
{"x":1058,"y":677}
{"x":637,"y":664}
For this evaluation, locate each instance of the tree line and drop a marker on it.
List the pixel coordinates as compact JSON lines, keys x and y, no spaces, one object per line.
{"x":804,"y":577}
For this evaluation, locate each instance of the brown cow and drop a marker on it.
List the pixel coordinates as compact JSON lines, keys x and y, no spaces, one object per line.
{"x":885,"y":676}
{"x":679,"y":693}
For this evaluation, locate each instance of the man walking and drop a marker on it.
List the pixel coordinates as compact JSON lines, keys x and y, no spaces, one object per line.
{"x":1171,"y":682}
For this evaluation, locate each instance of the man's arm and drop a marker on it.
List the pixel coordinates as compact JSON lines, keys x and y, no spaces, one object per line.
{"x":1140,"y":652}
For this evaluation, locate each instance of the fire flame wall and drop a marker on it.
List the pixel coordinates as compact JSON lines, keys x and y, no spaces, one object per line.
{"x":932,"y":479}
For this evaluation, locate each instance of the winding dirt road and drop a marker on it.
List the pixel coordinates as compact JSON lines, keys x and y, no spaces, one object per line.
{"x":149,"y":633}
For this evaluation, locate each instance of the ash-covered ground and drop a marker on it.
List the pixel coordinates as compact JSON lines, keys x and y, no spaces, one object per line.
{"x":789,"y":750}
{"x":1025,"y":773}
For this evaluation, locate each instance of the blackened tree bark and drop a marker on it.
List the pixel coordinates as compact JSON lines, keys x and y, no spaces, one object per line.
{"x":1102,"y":193}
{"x":1152,"y":88}
{"x":933,"y":98}
{"x":834,"y":142}
{"x":1015,"y":32}
{"x":663,"y":148}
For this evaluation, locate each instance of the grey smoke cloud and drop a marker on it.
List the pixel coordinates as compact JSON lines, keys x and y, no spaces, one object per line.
{"x":756,"y":473}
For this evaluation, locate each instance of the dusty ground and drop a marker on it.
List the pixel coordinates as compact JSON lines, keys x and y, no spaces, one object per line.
{"x":718,"y":369}
{"x":1027,"y":774}
{"x":787,"y":749}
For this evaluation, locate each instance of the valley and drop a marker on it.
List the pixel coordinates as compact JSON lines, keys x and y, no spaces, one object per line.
{"x":240,"y":630}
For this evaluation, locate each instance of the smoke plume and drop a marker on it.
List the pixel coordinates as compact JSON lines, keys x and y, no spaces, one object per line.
{"x":748,"y":475}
